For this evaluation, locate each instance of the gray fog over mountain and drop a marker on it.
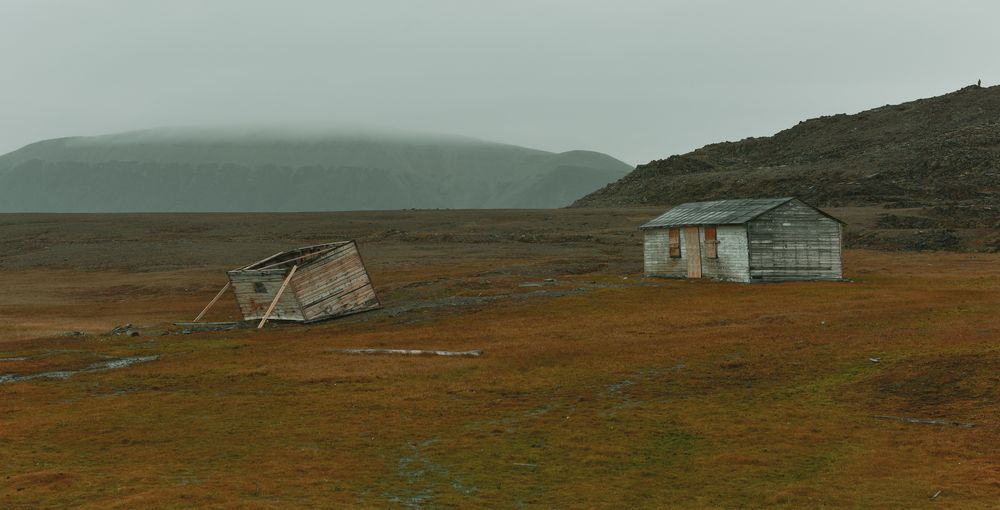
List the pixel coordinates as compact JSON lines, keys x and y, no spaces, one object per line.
{"x":229,"y":169}
{"x":636,"y":79}
{"x":639,"y":80}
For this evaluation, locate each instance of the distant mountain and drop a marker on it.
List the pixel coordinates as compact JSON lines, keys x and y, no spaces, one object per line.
{"x":224,"y":169}
{"x":939,"y":157}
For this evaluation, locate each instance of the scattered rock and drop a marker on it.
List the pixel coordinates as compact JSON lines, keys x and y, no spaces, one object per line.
{"x":127,"y":330}
{"x":895,"y":221}
{"x":93,"y":367}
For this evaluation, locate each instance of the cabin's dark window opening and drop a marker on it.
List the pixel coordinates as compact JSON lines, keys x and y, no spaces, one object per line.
{"x":674,"y":236}
{"x":259,"y":288}
{"x":711,"y":243}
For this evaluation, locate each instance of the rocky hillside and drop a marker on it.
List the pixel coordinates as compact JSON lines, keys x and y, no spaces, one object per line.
{"x":936,"y":159}
{"x":200,"y":169}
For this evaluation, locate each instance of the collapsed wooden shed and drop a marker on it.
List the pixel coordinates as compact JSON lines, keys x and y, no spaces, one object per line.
{"x":306,"y":284}
{"x":744,"y":240}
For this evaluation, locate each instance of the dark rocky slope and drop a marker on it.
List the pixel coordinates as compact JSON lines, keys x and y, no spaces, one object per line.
{"x":930,"y":166}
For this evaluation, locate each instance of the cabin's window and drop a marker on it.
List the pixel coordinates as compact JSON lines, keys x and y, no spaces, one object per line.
{"x":259,"y":288}
{"x":674,"y":235}
{"x":711,"y":243}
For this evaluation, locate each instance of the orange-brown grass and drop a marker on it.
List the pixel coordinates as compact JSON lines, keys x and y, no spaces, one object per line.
{"x":596,"y":391}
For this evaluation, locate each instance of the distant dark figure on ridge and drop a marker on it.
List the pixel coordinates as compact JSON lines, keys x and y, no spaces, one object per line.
{"x":979,"y":83}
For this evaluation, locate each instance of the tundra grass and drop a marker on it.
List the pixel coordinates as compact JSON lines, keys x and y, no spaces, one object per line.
{"x":620,"y":394}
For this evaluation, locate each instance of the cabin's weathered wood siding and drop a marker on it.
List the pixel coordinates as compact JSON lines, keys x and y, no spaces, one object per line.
{"x":334,"y":284}
{"x":794,"y":242}
{"x":656,"y":255}
{"x":253,"y":304}
{"x":733,"y":263}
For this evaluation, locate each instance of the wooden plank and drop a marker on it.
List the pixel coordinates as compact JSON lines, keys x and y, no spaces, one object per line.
{"x":277,"y":297}
{"x":321,"y":290}
{"x":211,"y":326}
{"x":311,"y":283}
{"x":212,"y":302}
{"x":298,"y":259}
{"x":371,"y":285}
{"x":711,"y":242}
{"x":693,"y":255}
{"x":675,"y":242}
{"x":252,"y":275}
{"x":411,"y":352}
{"x":314,"y":247}
{"x":253,"y":301}
{"x":361,"y":298}
{"x":333,"y":305}
{"x":926,"y":421}
{"x":335,"y":286}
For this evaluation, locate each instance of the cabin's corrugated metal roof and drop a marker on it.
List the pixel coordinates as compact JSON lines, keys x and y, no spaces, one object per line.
{"x":718,"y":212}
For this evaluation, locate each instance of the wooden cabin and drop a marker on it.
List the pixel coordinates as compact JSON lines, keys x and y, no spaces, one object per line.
{"x":744,"y":240}
{"x":312,"y":283}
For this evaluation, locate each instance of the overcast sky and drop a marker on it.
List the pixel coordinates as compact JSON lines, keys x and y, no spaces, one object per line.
{"x":639,"y":80}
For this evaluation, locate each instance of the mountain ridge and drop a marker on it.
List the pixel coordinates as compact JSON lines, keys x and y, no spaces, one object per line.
{"x":264,"y":169}
{"x":933,"y":153}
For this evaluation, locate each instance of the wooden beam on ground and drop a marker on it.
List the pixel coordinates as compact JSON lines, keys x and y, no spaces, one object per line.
{"x":277,"y":296}
{"x":926,"y":421}
{"x":413,"y":352}
{"x":212,"y":302}
{"x":210,"y":326}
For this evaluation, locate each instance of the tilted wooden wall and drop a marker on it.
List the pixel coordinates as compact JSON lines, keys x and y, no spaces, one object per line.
{"x":330,"y":285}
{"x":335,"y":284}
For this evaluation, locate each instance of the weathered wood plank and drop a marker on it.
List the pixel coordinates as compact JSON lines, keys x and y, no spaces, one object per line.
{"x":691,"y":240}
{"x":794,"y":242}
{"x":281,"y":290}
{"x":411,"y":352}
{"x":335,"y":284}
{"x":212,"y":302}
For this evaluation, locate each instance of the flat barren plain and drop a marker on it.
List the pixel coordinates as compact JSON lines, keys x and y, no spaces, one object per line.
{"x":597,"y":388}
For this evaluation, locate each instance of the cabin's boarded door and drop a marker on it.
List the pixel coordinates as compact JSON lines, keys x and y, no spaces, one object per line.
{"x":693,"y":246}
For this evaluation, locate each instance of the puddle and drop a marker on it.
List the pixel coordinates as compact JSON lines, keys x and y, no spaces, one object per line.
{"x":616,"y":388}
{"x":420,"y":476}
{"x":110,"y":364}
{"x":548,"y":281}
{"x":619,"y":393}
{"x":7,"y":378}
{"x":123,"y":362}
